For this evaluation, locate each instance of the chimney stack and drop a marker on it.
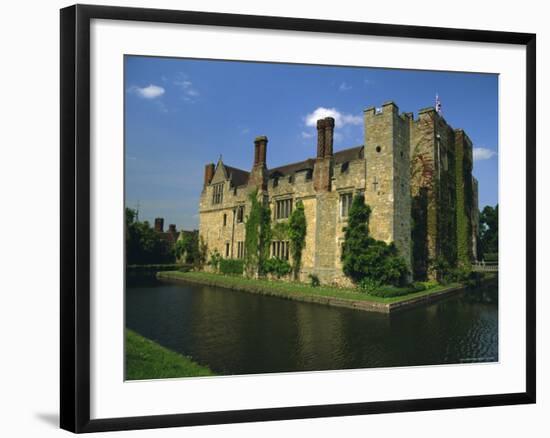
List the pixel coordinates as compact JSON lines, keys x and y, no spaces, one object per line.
{"x":320,"y":138}
{"x":208,"y":173}
{"x":329,"y":136}
{"x":172,"y":228}
{"x":159,"y":225}
{"x":260,"y":150}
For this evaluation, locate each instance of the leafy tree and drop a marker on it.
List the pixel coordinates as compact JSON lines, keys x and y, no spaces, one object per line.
{"x":488,"y":224}
{"x":143,"y":244}
{"x":297,"y":228}
{"x":365,"y":257}
{"x":188,"y":248}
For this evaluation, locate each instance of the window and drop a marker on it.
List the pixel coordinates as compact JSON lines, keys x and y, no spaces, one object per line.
{"x":280,"y":249}
{"x":345,"y":204}
{"x":344,"y":168}
{"x":217,"y":194}
{"x":224,"y":219}
{"x":240,"y":250}
{"x":275,"y":182}
{"x":378,"y":149}
{"x":283,"y":208}
{"x":240,"y":214}
{"x":227,"y":249}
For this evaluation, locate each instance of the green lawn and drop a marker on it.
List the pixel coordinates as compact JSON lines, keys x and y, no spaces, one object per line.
{"x":290,"y":289}
{"x":146,"y":359}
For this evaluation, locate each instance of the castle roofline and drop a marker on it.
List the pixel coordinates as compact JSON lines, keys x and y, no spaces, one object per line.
{"x":341,"y":156}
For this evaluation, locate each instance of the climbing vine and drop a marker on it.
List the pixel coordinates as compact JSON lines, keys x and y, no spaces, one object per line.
{"x":297,"y":229}
{"x":257,"y":237}
{"x":463,"y":207}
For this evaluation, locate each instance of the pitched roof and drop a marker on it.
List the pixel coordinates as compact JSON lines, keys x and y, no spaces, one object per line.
{"x":238,"y":177}
{"x":288,"y":169}
{"x":342,"y":156}
{"x":350,"y":154}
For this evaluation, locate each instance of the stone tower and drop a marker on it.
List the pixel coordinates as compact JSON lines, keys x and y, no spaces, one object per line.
{"x":387,"y":185}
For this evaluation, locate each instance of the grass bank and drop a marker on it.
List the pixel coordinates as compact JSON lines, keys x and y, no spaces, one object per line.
{"x":342,"y":297}
{"x":146,"y":359}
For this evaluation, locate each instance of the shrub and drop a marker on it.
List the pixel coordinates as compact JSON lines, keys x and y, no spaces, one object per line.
{"x":369,"y":285}
{"x":365,"y":257}
{"x":277,"y":267}
{"x":231,"y":266}
{"x":215,"y":259}
{"x":314,"y":280}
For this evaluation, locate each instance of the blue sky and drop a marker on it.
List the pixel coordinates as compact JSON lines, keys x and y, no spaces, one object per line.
{"x":181,"y":114}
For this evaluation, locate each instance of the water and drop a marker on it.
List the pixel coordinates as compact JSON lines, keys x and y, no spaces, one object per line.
{"x":240,"y":333}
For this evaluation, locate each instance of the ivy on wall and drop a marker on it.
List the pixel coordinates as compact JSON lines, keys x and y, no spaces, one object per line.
{"x":463,"y":207}
{"x":257,"y":237}
{"x":297,"y":229}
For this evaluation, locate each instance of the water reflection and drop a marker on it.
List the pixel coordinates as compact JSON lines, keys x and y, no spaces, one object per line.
{"x":240,"y":333}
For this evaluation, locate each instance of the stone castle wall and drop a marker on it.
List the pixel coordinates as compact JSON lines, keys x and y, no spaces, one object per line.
{"x":415,"y":210}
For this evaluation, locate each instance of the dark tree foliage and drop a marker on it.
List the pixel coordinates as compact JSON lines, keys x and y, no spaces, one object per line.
{"x":366,"y":258}
{"x":143,"y":244}
{"x":488,"y":228}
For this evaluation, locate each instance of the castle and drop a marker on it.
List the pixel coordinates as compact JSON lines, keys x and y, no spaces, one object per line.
{"x":415,"y":174}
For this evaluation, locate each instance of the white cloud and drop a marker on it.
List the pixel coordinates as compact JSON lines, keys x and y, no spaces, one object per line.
{"x":344,"y":87}
{"x":340,"y":119}
{"x":189,"y":90}
{"x":306,"y":134}
{"x":483,"y":154}
{"x":149,"y":92}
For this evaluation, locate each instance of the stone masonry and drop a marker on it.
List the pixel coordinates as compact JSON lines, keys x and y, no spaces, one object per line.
{"x":407,"y":170}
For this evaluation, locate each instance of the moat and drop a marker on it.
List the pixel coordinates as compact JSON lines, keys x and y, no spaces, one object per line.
{"x":240,"y":333}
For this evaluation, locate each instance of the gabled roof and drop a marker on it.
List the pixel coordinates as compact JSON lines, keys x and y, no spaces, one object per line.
{"x":355,"y":153}
{"x":340,"y":157}
{"x":238,"y":177}
{"x":291,"y":168}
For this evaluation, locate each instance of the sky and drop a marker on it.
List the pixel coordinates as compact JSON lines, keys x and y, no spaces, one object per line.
{"x":181,"y":114}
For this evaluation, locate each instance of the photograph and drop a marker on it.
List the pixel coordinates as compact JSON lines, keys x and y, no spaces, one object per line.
{"x":284,"y":218}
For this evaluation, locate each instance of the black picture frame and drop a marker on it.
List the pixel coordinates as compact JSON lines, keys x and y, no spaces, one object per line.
{"x":75,"y":217}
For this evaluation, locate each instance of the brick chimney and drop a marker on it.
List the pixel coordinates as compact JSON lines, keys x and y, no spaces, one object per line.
{"x":172,"y":229}
{"x":258,"y":176}
{"x":159,"y":225}
{"x":260,"y":150}
{"x":329,"y":136}
{"x":208,"y":173}
{"x":322,"y":172}
{"x":320,"y":138}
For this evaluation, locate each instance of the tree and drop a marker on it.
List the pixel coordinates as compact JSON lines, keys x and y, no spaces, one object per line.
{"x":188,"y":248}
{"x":488,"y":227}
{"x":143,"y":244}
{"x":297,"y":228}
{"x":366,"y":258}
{"x":257,"y":236}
